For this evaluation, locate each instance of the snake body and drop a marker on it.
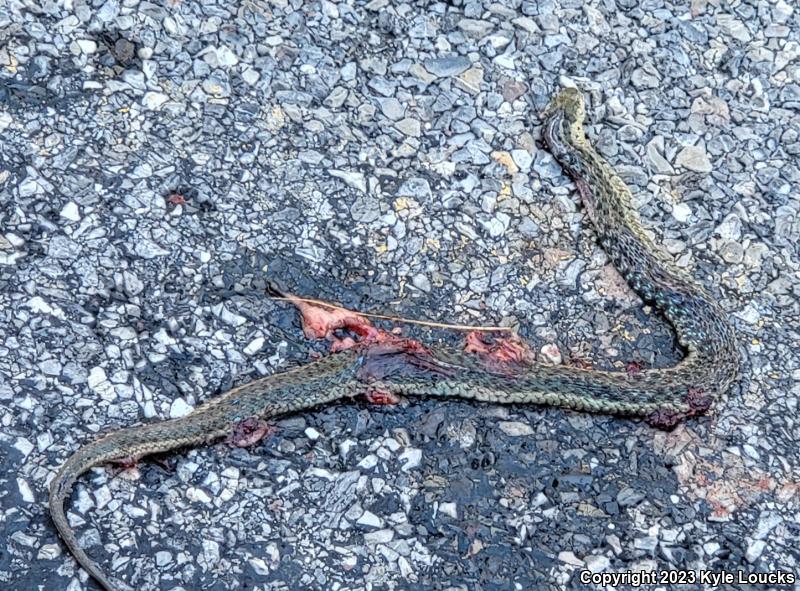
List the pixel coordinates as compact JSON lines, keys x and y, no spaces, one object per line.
{"x":663,"y":396}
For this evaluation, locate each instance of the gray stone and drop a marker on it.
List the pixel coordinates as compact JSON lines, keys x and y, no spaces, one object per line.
{"x":475,"y":28}
{"x":694,"y":158}
{"x":392,"y":108}
{"x":365,"y":209}
{"x":154,"y":100}
{"x":416,"y":187}
{"x":351,"y":178}
{"x":451,"y":65}
{"x":409,"y":126}
{"x":217,"y":84}
{"x":497,"y":225}
{"x":596,"y":563}
{"x":421,"y":282}
{"x":515,"y":428}
{"x":523,"y":159}
{"x":108,"y":11}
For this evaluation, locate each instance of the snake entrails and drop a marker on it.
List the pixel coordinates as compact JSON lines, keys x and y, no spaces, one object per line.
{"x":663,"y":396}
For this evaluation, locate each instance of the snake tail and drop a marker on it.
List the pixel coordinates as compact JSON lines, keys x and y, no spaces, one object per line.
{"x":330,"y":378}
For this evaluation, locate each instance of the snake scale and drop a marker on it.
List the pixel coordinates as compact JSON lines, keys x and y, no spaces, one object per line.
{"x":663,"y":396}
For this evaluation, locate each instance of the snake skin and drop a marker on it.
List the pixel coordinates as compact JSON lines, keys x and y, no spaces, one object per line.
{"x":663,"y":396}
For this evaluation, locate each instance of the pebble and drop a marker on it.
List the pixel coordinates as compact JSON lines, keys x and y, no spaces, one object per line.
{"x":98,"y":381}
{"x":416,"y":187}
{"x":369,"y":519}
{"x":733,"y":27}
{"x":198,"y":495}
{"x":732,"y":252}
{"x":392,"y":108}
{"x":87,"y":45}
{"x":449,"y":509}
{"x":25,"y":492}
{"x":421,"y":282}
{"x":254,"y":346}
{"x":475,"y":28}
{"x":217,"y":84}
{"x":251,"y":76}
{"x":154,"y":100}
{"x":515,"y":428}
{"x":179,"y":408}
{"x":628,"y":497}
{"x":755,"y":549}
{"x":596,"y":563}
{"x":71,"y":212}
{"x":730,"y":229}
{"x":497,"y":225}
{"x":569,"y":558}
{"x":408,"y":126}
{"x":352,"y":179}
{"x":523,"y":159}
{"x":365,"y":210}
{"x":381,"y":536}
{"x":681,"y":212}
{"x":368,"y":462}
{"x":49,"y":552}
{"x":550,"y":354}
{"x":655,"y":151}
{"x":411,"y":459}
{"x":694,"y":158}
{"x":451,"y":65}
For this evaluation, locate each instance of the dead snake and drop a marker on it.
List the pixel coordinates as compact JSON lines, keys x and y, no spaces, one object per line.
{"x":663,"y":396}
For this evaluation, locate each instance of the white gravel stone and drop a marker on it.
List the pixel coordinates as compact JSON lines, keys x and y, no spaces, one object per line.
{"x":410,"y":127}
{"x":226,"y":57}
{"x":98,"y":382}
{"x":551,"y":354}
{"x":254,"y":346}
{"x":25,"y":491}
{"x":210,"y":552}
{"x":23,"y":446}
{"x":382,"y":536}
{"x":179,"y":408}
{"x":368,"y":462}
{"x":450,"y":509}
{"x":515,"y":428}
{"x":597,"y":563}
{"x":197,"y":495}
{"x":163,"y":558}
{"x":251,"y":76}
{"x":351,"y":178}
{"x":569,"y":558}
{"x":154,"y":100}
{"x":523,"y":159}
{"x":259,"y":566}
{"x":87,"y":45}
{"x":49,"y":552}
{"x":5,"y":120}
{"x":681,"y":212}
{"x":694,"y":158}
{"x":411,"y":458}
{"x":102,"y":496}
{"x":369,"y":519}
{"x":71,"y":212}
{"x":754,"y":550}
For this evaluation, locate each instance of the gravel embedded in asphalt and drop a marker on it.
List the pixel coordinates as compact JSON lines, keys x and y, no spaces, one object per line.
{"x":159,"y":161}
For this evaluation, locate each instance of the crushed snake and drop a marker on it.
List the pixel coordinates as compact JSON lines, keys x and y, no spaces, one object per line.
{"x":401,"y":367}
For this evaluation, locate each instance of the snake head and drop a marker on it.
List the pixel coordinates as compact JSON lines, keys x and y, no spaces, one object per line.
{"x":563,"y":129}
{"x":570,"y":103}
